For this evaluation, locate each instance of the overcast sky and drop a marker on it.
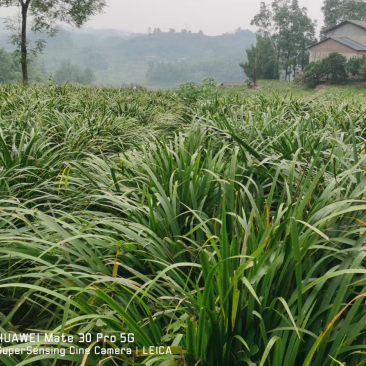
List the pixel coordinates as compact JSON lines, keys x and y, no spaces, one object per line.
{"x":212,"y":16}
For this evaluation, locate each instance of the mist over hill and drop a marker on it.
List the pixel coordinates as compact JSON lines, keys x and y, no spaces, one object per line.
{"x":157,"y":59}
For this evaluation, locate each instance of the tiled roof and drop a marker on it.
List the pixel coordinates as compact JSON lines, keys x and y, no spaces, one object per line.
{"x":350,"y":43}
{"x":359,"y":23}
{"x":346,"y":41}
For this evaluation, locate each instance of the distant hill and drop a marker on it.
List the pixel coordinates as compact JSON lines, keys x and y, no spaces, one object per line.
{"x":157,"y":59}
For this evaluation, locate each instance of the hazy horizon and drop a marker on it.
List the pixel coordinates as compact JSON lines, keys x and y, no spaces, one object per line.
{"x":213,"y":17}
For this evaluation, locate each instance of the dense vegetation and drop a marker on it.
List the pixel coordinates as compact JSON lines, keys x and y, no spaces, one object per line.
{"x":262,"y":61}
{"x":285,"y":32}
{"x":228,"y":222}
{"x":335,"y":68}
{"x":43,"y":17}
{"x":10,"y":68}
{"x":336,"y":11}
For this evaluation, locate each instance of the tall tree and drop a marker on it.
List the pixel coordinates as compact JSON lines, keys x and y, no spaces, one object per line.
{"x":44,"y":15}
{"x":335,"y":11}
{"x":262,"y":60}
{"x":290,"y":31}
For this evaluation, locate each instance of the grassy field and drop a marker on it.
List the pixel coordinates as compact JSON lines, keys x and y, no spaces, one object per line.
{"x":228,"y":224}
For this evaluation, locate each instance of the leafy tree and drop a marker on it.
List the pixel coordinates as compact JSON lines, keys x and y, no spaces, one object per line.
{"x":314,"y":73}
{"x":336,"y":11}
{"x":44,"y":15}
{"x":261,"y":58}
{"x":357,"y":66}
{"x":354,"y":64}
{"x":290,"y":31}
{"x":335,"y":66}
{"x":70,"y":72}
{"x":7,"y":67}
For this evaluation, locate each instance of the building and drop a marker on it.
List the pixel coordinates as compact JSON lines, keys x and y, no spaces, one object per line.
{"x":347,"y":38}
{"x":231,"y":84}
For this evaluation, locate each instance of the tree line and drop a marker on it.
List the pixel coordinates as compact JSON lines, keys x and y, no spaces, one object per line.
{"x":285,"y":33}
{"x":10,"y":71}
{"x":335,"y":68}
{"x":45,"y":15}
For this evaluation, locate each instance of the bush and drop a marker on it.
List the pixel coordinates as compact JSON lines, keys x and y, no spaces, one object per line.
{"x":335,"y":66}
{"x":354,"y":65}
{"x":191,"y":92}
{"x":362,"y":70}
{"x":314,"y":73}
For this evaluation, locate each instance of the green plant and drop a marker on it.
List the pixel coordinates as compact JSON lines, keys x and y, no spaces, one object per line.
{"x":192,"y":92}
{"x":354,"y":64}
{"x":230,"y":228}
{"x":314,"y":73}
{"x":335,"y":66}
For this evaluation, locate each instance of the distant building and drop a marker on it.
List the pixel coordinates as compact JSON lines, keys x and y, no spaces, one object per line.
{"x":347,"y":38}
{"x":230,"y":84}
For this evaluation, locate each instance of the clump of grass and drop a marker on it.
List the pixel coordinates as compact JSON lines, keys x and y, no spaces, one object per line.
{"x":231,"y":226}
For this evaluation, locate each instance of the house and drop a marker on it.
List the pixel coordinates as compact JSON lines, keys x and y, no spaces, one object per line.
{"x":230,"y":84}
{"x":347,"y":38}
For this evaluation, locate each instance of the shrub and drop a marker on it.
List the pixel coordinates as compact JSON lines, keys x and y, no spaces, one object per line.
{"x":354,"y":65}
{"x":314,"y":73}
{"x":191,"y":92}
{"x":335,"y":66}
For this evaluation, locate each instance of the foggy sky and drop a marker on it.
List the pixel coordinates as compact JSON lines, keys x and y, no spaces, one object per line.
{"x":214,"y":17}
